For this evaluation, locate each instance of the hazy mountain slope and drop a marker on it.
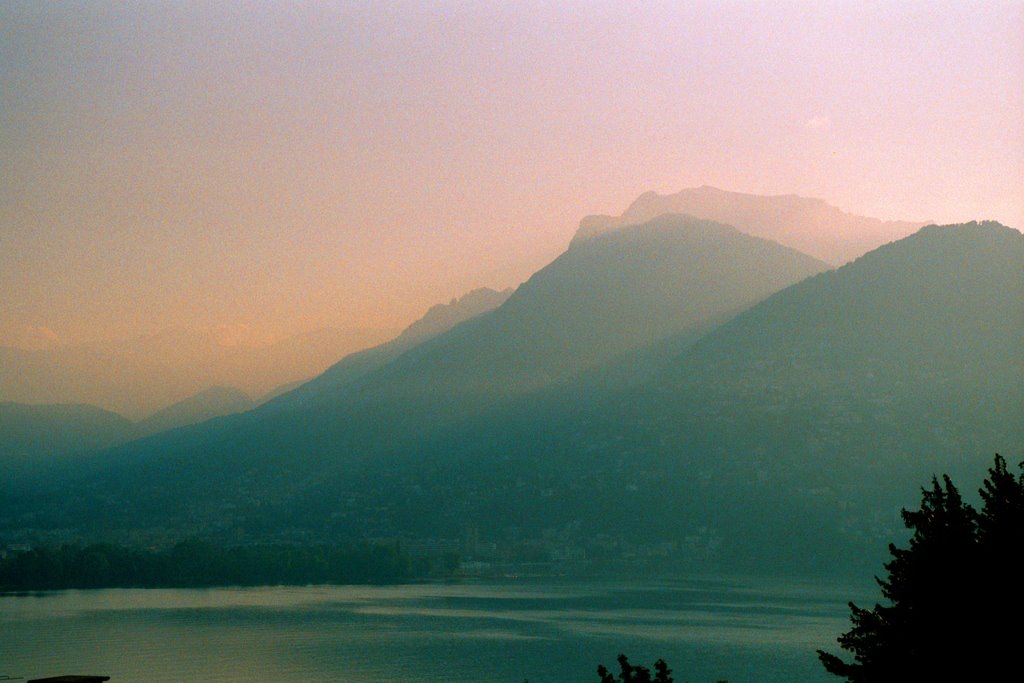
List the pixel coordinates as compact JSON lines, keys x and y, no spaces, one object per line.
{"x":257,"y":432}
{"x":140,"y":376}
{"x":843,"y":393}
{"x":945,"y":293}
{"x":783,"y":440}
{"x":442,"y":317}
{"x":437,"y":320}
{"x":809,"y":225}
{"x":794,"y":432}
{"x":36,"y":432}
{"x":40,"y":440}
{"x":207,"y":404}
{"x":601,"y":298}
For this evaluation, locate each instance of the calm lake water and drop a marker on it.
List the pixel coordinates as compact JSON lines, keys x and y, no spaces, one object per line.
{"x":544,"y":631}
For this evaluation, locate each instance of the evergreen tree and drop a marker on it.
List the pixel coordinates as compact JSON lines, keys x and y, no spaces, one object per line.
{"x":1001,"y":570}
{"x":1000,"y":527}
{"x":630,"y":673}
{"x":951,"y":596}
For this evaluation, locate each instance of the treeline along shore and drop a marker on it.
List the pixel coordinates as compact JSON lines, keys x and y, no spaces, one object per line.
{"x":196,"y":563}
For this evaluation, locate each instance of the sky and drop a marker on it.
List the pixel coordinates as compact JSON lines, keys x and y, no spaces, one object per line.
{"x":272,"y":168}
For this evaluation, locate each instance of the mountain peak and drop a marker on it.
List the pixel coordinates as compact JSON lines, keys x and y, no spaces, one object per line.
{"x":995,"y":229}
{"x":807,"y":224}
{"x":442,"y":317}
{"x":669,"y":221}
{"x":211,"y":402}
{"x":976,"y":237}
{"x":932,"y":294}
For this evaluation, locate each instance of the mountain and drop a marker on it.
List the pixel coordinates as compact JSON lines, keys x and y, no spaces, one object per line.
{"x":207,"y":404}
{"x":139,"y":376}
{"x":37,"y":432}
{"x":603,"y":298}
{"x":37,"y":441}
{"x":437,"y":320}
{"x":781,"y":438}
{"x":442,"y":317}
{"x":809,"y":225}
{"x":40,"y":432}
{"x":47,"y":437}
{"x":788,"y":437}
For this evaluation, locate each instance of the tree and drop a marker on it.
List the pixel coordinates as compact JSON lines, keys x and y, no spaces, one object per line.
{"x":1000,"y":548}
{"x":629,"y":673}
{"x":948,"y":595}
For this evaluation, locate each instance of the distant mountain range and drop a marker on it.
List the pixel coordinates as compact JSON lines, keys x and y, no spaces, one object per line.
{"x":618,"y":293}
{"x":610,"y":296}
{"x":206,"y":405}
{"x":139,"y":376}
{"x":30,"y":432}
{"x":675,"y":387}
{"x":810,"y":225}
{"x":34,"y":432}
{"x":349,"y":370}
{"x":785,"y":439}
{"x":797,"y":429}
{"x":602,"y":298}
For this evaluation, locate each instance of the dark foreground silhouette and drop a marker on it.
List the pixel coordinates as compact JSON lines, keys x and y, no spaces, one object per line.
{"x":634,"y":673}
{"x":953,"y":597}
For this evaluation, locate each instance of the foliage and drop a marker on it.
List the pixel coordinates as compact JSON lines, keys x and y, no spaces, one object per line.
{"x":629,"y":673}
{"x":950,"y":596}
{"x":198,"y":563}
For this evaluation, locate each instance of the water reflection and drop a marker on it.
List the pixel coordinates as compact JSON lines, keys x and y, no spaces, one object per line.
{"x":426,"y":633}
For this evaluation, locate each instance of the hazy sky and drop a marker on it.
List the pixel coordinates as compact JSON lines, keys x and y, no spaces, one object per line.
{"x":284,"y":166}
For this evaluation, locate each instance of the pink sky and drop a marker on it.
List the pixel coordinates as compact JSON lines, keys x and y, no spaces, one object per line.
{"x":285,"y":168}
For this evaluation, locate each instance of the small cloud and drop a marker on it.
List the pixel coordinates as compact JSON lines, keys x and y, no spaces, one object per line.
{"x":34,"y":338}
{"x":817,"y":122}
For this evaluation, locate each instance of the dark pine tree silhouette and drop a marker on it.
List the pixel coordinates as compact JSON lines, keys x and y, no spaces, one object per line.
{"x":629,"y":673}
{"x":953,"y":596}
{"x":1001,"y":571}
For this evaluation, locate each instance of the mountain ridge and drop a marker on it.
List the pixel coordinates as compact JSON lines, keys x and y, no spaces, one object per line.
{"x":676,"y":273}
{"x":814,"y":413}
{"x":810,"y":225}
{"x":138,"y":376}
{"x":213,"y":402}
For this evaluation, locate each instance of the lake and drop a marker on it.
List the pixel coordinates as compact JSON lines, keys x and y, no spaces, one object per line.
{"x":512,"y":630}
